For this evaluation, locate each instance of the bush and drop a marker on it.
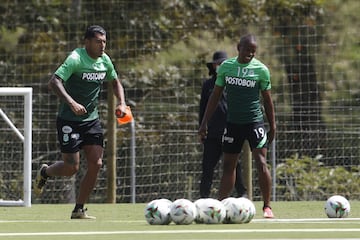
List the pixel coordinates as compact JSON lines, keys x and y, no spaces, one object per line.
{"x":308,"y":178}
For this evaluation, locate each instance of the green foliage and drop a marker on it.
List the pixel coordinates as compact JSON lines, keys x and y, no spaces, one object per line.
{"x":344,"y":74}
{"x":305,"y":178}
{"x":284,"y":13}
{"x":9,"y":38}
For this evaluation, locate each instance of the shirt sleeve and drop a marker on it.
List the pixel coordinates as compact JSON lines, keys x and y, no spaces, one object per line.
{"x":111,"y":72}
{"x":265,"y":83}
{"x":220,"y":78}
{"x":68,"y":67}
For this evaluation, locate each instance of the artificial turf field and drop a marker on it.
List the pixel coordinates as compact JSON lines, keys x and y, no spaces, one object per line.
{"x":294,"y":220}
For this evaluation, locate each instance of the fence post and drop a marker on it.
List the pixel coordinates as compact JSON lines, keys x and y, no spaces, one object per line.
{"x":273,"y":163}
{"x":111,"y":148}
{"x":133,"y":162}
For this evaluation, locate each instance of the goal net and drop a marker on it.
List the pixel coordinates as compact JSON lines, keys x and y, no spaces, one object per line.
{"x":15,"y":146}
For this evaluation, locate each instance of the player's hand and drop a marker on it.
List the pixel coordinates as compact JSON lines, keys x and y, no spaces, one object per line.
{"x":202,"y":133}
{"x":120,"y":110}
{"x":77,"y":108}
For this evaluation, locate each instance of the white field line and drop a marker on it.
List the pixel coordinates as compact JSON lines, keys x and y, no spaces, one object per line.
{"x":290,"y":220}
{"x":307,"y":220}
{"x":327,"y":230}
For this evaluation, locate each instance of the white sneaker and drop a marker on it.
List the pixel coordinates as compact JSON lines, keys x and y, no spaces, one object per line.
{"x":81,"y":214}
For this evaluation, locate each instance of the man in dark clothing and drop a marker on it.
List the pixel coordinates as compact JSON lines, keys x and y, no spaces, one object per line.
{"x":212,"y":150}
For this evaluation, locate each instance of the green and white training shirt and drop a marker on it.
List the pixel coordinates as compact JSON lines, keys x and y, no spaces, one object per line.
{"x":243,"y":83}
{"x":83,"y":77}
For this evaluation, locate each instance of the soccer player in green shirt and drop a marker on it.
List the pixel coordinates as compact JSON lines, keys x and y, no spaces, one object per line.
{"x":77,"y":83}
{"x":244,"y":77}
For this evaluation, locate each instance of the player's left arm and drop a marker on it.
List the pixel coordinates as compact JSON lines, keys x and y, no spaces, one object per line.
{"x":270,"y":113}
{"x":120,"y":95}
{"x":265,"y":87}
{"x":118,"y":88}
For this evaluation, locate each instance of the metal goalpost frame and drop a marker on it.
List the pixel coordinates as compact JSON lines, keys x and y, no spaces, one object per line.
{"x":26,"y":138}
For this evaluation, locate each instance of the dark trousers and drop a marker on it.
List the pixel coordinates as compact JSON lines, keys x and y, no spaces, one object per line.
{"x":211,"y":156}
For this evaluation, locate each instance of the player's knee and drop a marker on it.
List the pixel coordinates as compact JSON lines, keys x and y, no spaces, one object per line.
{"x":71,"y":166}
{"x":70,"y":170}
{"x":261,"y":164}
{"x":95,"y":165}
{"x":98,"y":165}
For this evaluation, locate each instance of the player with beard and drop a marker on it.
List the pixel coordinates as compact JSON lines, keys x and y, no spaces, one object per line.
{"x":77,"y":83}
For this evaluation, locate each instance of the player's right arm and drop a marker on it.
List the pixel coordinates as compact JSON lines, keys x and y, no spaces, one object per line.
{"x":55,"y":84}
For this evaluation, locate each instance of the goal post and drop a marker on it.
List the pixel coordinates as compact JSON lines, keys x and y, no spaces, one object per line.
{"x":25,"y":137}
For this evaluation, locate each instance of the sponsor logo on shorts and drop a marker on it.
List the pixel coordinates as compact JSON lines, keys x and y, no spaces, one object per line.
{"x":75,"y":136}
{"x":66,"y":129}
{"x":228,"y":139}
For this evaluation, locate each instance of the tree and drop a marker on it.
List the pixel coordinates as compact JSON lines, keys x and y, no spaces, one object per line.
{"x":299,"y":28}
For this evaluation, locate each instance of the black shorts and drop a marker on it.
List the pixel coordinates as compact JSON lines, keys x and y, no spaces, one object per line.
{"x":73,"y":135}
{"x":236,"y":134}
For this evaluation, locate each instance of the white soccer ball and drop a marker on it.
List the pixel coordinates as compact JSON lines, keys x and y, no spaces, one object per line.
{"x":238,"y":210}
{"x":198,"y":204}
{"x":183,"y":211}
{"x":234,"y":210}
{"x":337,"y":207}
{"x":249,"y":207}
{"x":157,"y":212}
{"x":210,"y":211}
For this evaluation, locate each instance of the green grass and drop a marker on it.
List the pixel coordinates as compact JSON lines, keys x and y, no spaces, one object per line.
{"x":294,"y":220}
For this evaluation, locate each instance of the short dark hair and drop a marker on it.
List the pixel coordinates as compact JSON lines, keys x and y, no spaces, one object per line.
{"x":92,"y":30}
{"x":247,"y":38}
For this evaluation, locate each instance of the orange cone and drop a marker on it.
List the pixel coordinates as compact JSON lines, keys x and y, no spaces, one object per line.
{"x":128,"y":117}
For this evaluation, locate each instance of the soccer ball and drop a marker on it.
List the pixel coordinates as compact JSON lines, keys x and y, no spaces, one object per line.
{"x":337,"y":207}
{"x":198,"y":204}
{"x":249,"y":207}
{"x":210,"y":211}
{"x":157,"y":212}
{"x":183,"y":211}
{"x":234,"y":210}
{"x":238,"y":210}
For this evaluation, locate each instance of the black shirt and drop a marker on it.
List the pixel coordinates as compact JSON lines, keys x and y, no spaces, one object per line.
{"x":217,"y":122}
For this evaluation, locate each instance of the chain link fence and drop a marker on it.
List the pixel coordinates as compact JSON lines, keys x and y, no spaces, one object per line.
{"x":317,"y":145}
